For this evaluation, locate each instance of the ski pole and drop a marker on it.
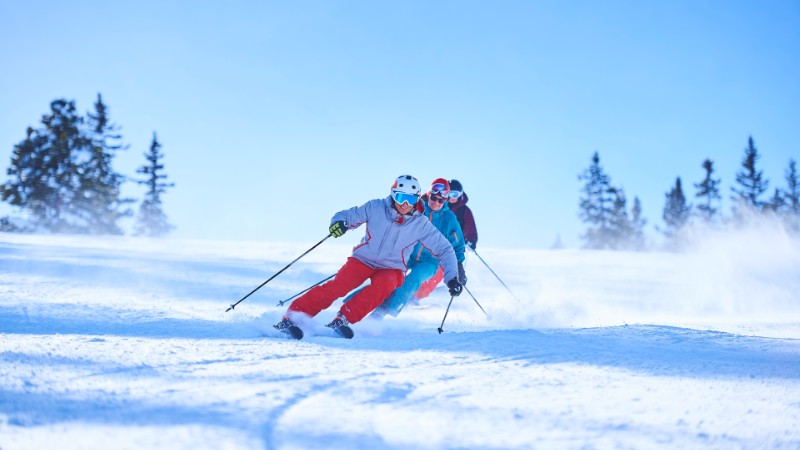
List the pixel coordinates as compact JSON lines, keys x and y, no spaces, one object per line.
{"x":305,"y":290}
{"x":279,"y":272}
{"x":440,"y":329}
{"x":490,"y":270}
{"x":476,"y":300}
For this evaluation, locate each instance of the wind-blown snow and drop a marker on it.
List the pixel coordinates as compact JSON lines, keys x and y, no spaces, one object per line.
{"x":113,"y":343}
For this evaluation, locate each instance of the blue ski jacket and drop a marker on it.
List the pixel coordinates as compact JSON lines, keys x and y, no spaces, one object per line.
{"x":446,"y":222}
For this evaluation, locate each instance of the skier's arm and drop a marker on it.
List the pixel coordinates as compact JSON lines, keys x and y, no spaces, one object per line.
{"x":354,"y":216}
{"x":470,"y":230}
{"x":456,"y":237}
{"x":442,"y":249}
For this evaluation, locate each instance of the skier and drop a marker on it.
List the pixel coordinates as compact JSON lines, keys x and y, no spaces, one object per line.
{"x":458,"y":204}
{"x":394,"y":225}
{"x":422,"y":263}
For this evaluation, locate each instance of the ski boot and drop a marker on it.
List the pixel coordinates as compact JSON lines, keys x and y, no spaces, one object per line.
{"x":287,"y":326}
{"x":341,"y":326}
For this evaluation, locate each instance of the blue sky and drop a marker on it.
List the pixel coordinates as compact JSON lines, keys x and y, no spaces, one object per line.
{"x":275,"y":115}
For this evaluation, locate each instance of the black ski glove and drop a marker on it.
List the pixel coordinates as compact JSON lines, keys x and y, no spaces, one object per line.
{"x":455,"y":287}
{"x":339,"y":228}
{"x":462,"y":276}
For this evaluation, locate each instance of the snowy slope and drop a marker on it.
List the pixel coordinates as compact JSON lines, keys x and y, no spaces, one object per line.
{"x":114,"y":343}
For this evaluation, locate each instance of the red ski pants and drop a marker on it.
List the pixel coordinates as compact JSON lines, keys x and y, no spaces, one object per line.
{"x":349,"y":277}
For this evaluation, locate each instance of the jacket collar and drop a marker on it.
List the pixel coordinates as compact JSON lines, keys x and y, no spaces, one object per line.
{"x":444,"y":208}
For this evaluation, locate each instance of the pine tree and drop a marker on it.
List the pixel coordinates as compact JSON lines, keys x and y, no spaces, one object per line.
{"x":776,"y":204}
{"x":100,"y":199}
{"x":27,"y":187}
{"x":620,"y":224}
{"x":792,"y":192}
{"x":637,"y":239}
{"x":676,"y":210}
{"x":791,"y":198}
{"x":65,"y":146}
{"x":61,"y":173}
{"x":45,"y":171}
{"x":151,"y":220}
{"x":596,"y":205}
{"x":751,"y":182}
{"x":708,"y":193}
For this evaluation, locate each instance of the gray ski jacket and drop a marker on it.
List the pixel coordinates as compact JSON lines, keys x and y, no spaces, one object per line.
{"x":390,"y":237}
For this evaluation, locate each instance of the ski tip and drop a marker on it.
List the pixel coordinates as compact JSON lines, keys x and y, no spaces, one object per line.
{"x":345,"y":332}
{"x":294,"y":332}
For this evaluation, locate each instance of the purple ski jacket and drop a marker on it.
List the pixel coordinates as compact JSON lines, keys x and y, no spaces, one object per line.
{"x":466,"y":220}
{"x":390,"y":237}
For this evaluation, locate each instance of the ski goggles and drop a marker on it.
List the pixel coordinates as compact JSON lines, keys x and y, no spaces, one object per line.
{"x":401,"y":198}
{"x":454,"y":194}
{"x":439,"y":188}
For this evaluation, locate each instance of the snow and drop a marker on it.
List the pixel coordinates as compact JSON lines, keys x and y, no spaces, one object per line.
{"x":120,"y":342}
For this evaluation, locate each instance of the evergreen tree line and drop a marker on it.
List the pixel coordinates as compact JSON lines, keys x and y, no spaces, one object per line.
{"x":61,"y":177}
{"x":603,"y":207}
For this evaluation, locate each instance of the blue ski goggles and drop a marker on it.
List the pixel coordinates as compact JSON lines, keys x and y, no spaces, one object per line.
{"x":401,"y":198}
{"x":440,"y":189}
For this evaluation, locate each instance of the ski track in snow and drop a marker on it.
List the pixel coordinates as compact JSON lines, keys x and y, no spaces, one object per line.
{"x":124,"y":343}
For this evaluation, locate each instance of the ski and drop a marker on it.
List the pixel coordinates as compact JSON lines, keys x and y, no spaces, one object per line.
{"x":294,"y":332}
{"x":344,"y":331}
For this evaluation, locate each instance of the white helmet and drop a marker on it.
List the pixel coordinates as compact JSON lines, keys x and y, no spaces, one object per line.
{"x":406,"y":184}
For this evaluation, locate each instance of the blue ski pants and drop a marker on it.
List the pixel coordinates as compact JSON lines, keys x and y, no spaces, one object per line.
{"x":420,"y":273}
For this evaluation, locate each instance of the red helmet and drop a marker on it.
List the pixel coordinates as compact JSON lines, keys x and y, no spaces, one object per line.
{"x":440,"y":186}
